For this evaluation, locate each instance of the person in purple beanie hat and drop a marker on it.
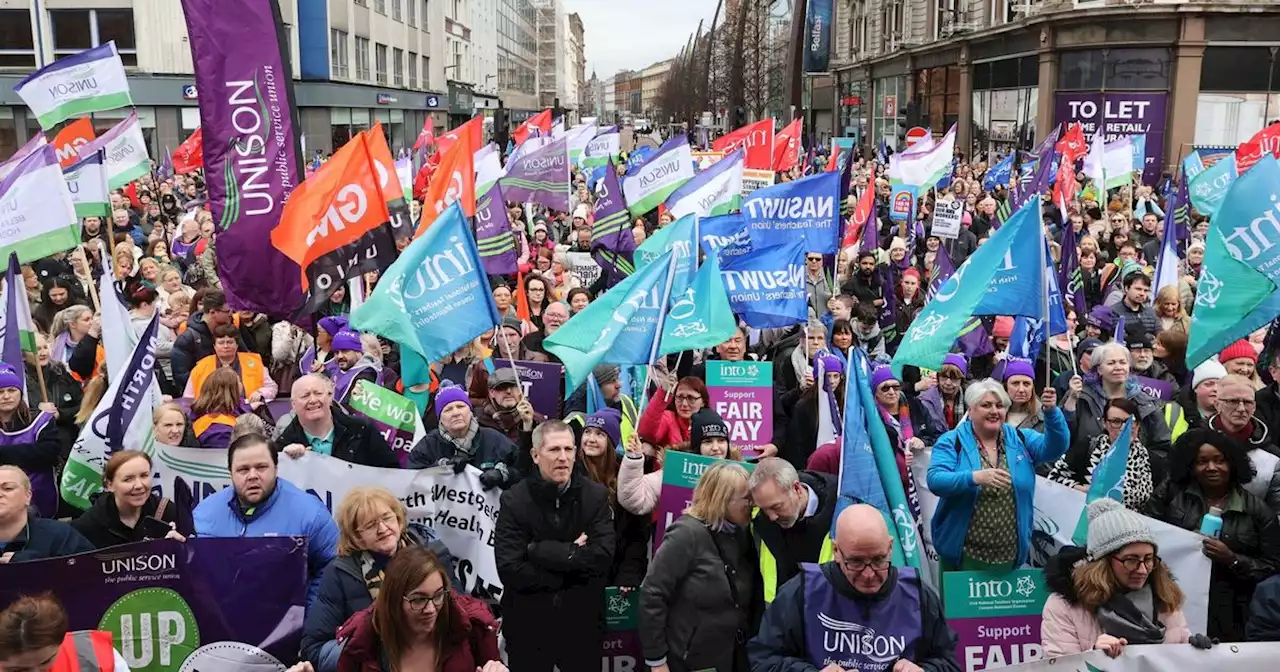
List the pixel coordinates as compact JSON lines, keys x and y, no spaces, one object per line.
{"x":460,"y":441}
{"x":941,"y":407}
{"x":600,"y":457}
{"x":895,"y":413}
{"x":31,"y":441}
{"x":1020,"y":383}
{"x":349,"y":364}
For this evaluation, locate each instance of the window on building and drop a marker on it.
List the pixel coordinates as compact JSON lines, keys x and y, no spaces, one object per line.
{"x":1139,"y":69}
{"x":946,"y":17}
{"x":339,"y":65}
{"x":17,"y":49}
{"x":380,"y":63}
{"x":1240,"y":70}
{"x":397,"y":67}
{"x":362,"y":58}
{"x":75,"y":30}
{"x":426,"y":72}
{"x":426,"y":18}
{"x":362,"y":3}
{"x":380,"y":6}
{"x":413,"y":70}
{"x":412,"y":6}
{"x":395,"y":9}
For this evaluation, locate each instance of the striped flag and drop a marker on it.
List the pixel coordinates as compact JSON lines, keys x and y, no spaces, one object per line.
{"x":19,"y":329}
{"x":90,"y":81}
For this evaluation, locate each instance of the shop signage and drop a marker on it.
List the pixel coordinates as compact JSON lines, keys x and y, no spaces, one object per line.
{"x":1118,"y":115}
{"x":433,"y":101}
{"x":189,"y":92}
{"x":890,"y":107}
{"x":851,"y":100}
{"x":386,"y":99}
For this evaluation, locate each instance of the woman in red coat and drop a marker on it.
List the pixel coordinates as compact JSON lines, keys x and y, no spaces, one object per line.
{"x":418,"y":622}
{"x":666,"y":419}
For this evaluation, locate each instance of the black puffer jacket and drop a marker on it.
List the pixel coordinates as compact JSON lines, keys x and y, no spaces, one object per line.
{"x":102,"y":527}
{"x":65,"y":393}
{"x":1250,"y":530}
{"x":354,"y":440}
{"x":489,"y":449}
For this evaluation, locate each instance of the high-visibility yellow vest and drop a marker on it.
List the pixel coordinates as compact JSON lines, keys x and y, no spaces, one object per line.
{"x":1176,"y":419}
{"x":769,"y":564}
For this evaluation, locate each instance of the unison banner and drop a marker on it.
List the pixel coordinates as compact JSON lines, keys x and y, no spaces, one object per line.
{"x":90,"y":81}
{"x":208,"y":604}
{"x":37,"y":215}
{"x":251,"y":160}
{"x":125,"y":150}
{"x":541,"y":383}
{"x":454,"y":505}
{"x":1163,"y":658}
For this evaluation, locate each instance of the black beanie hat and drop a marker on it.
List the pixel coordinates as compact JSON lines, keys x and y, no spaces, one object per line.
{"x":706,"y":424}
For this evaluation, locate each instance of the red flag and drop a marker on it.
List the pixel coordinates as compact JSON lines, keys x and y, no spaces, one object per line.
{"x":474,"y":129}
{"x":862,"y":213}
{"x":131,"y":192}
{"x":454,"y":180}
{"x":786,"y":146}
{"x":1262,"y":142}
{"x":757,"y":138}
{"x":1065,"y":186}
{"x":1072,"y":145}
{"x":190,"y":154}
{"x":68,"y":141}
{"x":540,"y":121}
{"x":427,"y":136}
{"x":833,"y":163}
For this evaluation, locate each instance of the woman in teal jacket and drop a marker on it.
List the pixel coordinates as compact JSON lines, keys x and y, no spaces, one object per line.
{"x":984,"y":474}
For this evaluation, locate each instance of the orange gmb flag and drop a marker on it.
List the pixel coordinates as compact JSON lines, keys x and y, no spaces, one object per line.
{"x":473,"y":131}
{"x":540,"y":121}
{"x":71,"y":138}
{"x":454,"y":180}
{"x":384,"y":163}
{"x":190,"y":154}
{"x":333,"y":208}
{"x":757,"y":138}
{"x":786,"y":146}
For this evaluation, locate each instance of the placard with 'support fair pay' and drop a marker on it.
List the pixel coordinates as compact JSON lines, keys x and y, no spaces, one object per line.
{"x":742,"y":393}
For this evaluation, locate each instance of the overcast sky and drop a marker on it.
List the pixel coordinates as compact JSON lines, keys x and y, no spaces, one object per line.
{"x":631,"y":34}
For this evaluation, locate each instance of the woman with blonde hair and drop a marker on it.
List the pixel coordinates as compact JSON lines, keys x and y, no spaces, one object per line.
{"x":372,"y":528}
{"x":695,"y":602}
{"x":1173,"y":317}
{"x":419,"y":621}
{"x":170,"y":426}
{"x":214,"y":412}
{"x":1113,"y":593}
{"x":69,"y":327}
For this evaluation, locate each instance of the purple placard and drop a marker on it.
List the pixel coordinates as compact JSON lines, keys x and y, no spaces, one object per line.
{"x":996,"y":641}
{"x":742,"y":393}
{"x":204,"y":604}
{"x":1124,"y":114}
{"x":672,"y":501}
{"x":1160,"y":390}
{"x":621,"y":643}
{"x":251,"y":149}
{"x":542,"y":383}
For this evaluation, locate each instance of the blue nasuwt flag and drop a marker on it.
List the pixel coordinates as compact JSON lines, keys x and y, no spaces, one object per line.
{"x":998,"y":174}
{"x":768,"y":288}
{"x":436,"y":296}
{"x":725,"y":235}
{"x":1107,"y":481}
{"x":808,"y":208}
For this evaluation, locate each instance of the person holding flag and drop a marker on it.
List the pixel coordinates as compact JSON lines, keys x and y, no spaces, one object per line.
{"x":1076,"y":469}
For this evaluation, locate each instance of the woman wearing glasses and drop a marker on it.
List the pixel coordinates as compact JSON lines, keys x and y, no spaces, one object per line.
{"x":696,"y":601}
{"x":1208,"y":470}
{"x":983,"y":473}
{"x":1115,"y":593}
{"x":1076,"y":468}
{"x":419,"y":622}
{"x":940,"y":408}
{"x":665,"y":421}
{"x":371,"y":531}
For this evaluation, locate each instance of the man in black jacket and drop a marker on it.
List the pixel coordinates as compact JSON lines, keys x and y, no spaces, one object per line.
{"x":873,"y":615}
{"x":322,"y":426}
{"x":554,"y":547}
{"x":792,"y":524}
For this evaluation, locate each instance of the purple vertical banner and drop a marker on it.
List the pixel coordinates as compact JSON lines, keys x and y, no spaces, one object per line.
{"x":251,"y":152}
{"x":621,"y":631}
{"x":742,"y":393}
{"x":541,"y":382}
{"x":1119,"y":114}
{"x":207,"y":604}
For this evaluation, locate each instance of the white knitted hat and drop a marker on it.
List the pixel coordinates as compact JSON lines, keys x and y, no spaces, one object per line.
{"x":1112,"y":527}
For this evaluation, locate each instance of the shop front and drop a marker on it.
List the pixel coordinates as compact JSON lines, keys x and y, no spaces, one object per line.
{"x":937,"y":91}
{"x":461,"y":103}
{"x":1239,"y":93}
{"x":852,"y":102}
{"x":890,"y":91}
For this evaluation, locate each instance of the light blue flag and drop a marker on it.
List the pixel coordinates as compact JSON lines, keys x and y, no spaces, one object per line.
{"x":725,"y":235}
{"x":1210,"y":187}
{"x":1107,"y":481}
{"x":1139,"y":143}
{"x":436,"y":296}
{"x":767,"y":288}
{"x":1003,"y":277}
{"x":679,"y":237}
{"x":808,"y":207}
{"x":859,"y":479}
{"x":620,"y":327}
{"x":700,"y":317}
{"x":998,"y":174}
{"x":1192,"y":165}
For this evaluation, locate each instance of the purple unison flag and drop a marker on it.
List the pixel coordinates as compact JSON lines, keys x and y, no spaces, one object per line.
{"x":942,"y":271}
{"x":11,"y":350}
{"x":165,"y":170}
{"x":612,"y":223}
{"x":540,"y":177}
{"x":1069,"y":271}
{"x":888,"y":311}
{"x":494,"y":240}
{"x":974,"y":340}
{"x":251,"y":152}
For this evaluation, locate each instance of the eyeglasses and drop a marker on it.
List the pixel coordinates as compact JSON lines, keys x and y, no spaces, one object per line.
{"x":890,"y":387}
{"x":950,"y":376}
{"x":858,"y":565}
{"x":1116,"y":422}
{"x":1237,"y":403}
{"x":687,"y":398}
{"x":1131,"y":562}
{"x":419,"y":602}
{"x":372,"y":526}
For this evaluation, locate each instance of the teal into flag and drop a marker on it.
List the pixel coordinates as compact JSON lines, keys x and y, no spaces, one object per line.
{"x":1107,"y":481}
{"x":700,"y":317}
{"x":1209,"y":188}
{"x":681,"y":239}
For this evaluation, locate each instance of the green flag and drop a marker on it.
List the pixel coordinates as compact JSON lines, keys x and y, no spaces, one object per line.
{"x":617,"y":328}
{"x":701,"y":316}
{"x":1228,"y":297}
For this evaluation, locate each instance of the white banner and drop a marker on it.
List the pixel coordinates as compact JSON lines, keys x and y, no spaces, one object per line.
{"x":37,"y":216}
{"x":91,"y":81}
{"x":454,"y":505}
{"x":1057,"y":511}
{"x":1243,"y":657}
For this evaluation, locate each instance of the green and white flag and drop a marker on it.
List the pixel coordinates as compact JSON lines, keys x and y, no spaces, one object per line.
{"x":404,"y":172}
{"x":87,"y":182}
{"x":654,"y":180}
{"x":579,"y":136}
{"x":488,"y":162}
{"x":126,"y":152}
{"x":90,"y":81}
{"x":37,"y":216}
{"x":606,"y":145}
{"x":715,"y":191}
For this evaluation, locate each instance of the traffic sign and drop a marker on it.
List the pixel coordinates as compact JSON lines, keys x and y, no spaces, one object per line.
{"x":915,"y":135}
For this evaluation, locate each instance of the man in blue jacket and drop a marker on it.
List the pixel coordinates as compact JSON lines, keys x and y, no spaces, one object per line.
{"x":858,"y":612}
{"x":261,"y":505}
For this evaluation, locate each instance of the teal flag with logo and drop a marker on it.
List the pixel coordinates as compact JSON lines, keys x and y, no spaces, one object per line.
{"x":1236,"y":293}
{"x":700,"y":317}
{"x":1209,"y":188}
{"x":620,"y":327}
{"x":1005,"y":276}
{"x":1107,"y":481}
{"x":680,"y":238}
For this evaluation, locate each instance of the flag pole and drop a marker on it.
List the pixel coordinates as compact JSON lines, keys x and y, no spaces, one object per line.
{"x":507,"y":347}
{"x":662,"y":314}
{"x":44,"y":392}
{"x":1044,"y":268}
